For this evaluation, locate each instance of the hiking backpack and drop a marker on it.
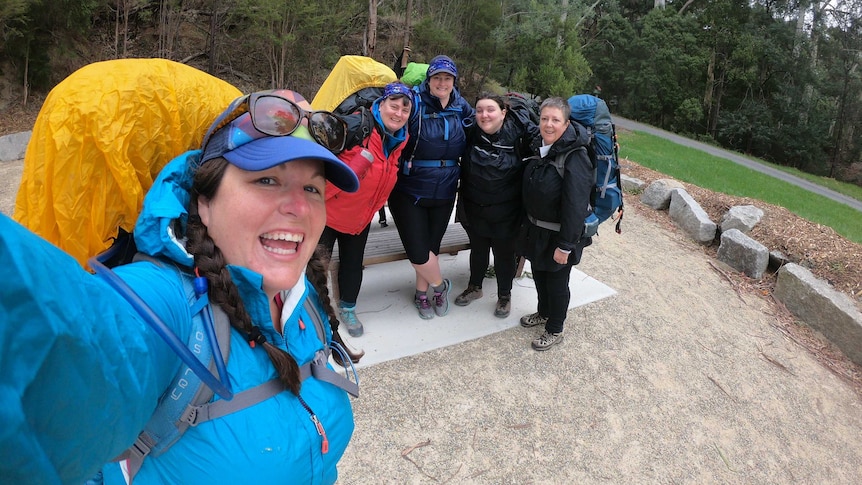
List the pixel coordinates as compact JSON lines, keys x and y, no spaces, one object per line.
{"x":525,"y":108}
{"x":360,"y":123}
{"x":607,"y":198}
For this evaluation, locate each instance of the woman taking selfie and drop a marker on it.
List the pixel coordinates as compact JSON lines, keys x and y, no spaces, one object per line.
{"x":241,"y":217}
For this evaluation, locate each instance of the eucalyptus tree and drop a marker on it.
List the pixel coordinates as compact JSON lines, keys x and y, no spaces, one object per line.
{"x":297,"y":41}
{"x":539,"y":47}
{"x":842,"y":45}
{"x":667,"y":69}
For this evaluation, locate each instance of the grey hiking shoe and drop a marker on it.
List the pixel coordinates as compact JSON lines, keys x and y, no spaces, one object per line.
{"x":468,"y":295}
{"x":348,"y":317}
{"x":504,"y":306}
{"x":424,"y":307}
{"x":441,"y":300}
{"x":533,"y":320}
{"x":547,"y":340}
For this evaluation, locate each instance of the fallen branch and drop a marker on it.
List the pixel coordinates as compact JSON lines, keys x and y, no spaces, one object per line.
{"x":409,"y":450}
{"x":729,"y":280}
{"x":722,"y":388}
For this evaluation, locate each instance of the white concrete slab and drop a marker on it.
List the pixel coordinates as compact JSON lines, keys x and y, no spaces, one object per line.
{"x":393,"y":328}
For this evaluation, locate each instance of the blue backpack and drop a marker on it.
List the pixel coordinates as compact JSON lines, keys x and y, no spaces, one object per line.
{"x":607,"y":198}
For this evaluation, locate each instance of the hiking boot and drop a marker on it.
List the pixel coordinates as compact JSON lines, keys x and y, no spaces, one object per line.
{"x":504,"y":306}
{"x":533,"y":320}
{"x":547,"y":340}
{"x":470,"y":294}
{"x":348,"y":317}
{"x":424,"y":307}
{"x":441,"y":299}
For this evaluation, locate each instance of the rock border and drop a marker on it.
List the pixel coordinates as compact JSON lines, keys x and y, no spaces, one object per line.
{"x":813,"y":301}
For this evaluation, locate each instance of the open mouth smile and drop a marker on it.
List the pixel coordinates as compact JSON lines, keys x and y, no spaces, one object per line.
{"x":281,"y":242}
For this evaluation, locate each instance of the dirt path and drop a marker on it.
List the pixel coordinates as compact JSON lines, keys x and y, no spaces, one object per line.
{"x":677,"y":379}
{"x":10,"y":178}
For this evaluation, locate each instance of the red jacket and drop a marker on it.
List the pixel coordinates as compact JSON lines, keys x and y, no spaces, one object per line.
{"x":351,"y":212}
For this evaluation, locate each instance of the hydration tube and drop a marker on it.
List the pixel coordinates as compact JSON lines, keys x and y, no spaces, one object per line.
{"x":221,"y":387}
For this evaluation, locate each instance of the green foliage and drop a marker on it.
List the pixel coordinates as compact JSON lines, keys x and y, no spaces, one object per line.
{"x":13,"y":16}
{"x":722,"y":175}
{"x":667,"y":65}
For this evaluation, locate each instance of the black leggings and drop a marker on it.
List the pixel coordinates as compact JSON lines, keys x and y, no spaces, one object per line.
{"x":504,"y":260}
{"x":351,"y":252}
{"x":421,"y":224}
{"x":552,"y":289}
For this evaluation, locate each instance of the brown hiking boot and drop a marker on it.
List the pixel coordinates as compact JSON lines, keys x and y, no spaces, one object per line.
{"x":504,"y":306}
{"x":468,"y":295}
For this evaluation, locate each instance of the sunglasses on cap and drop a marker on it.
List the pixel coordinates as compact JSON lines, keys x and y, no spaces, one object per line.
{"x":275,"y":115}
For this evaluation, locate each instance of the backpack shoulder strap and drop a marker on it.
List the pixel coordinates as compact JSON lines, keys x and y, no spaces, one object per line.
{"x":559,"y":161}
{"x":196,"y":414}
{"x":186,"y":402}
{"x":318,"y":367}
{"x":167,"y":424}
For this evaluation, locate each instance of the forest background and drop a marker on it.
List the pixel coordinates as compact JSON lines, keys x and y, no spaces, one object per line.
{"x":776,"y":79}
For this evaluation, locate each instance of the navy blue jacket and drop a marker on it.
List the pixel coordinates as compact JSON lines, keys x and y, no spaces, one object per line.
{"x":435,"y":134}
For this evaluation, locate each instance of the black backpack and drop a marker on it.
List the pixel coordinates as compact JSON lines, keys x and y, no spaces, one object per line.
{"x":526,"y":109}
{"x":356,"y":112}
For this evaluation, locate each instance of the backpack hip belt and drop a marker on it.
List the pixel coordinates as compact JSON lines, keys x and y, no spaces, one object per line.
{"x":552,"y":226}
{"x":435,"y":163}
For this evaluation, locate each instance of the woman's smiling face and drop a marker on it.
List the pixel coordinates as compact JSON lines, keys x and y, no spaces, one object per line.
{"x":268,"y":221}
{"x":441,"y":86}
{"x":395,"y":113}
{"x":552,"y":124}
{"x":489,"y":115}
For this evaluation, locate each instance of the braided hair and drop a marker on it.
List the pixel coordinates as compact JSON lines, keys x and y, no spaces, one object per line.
{"x":211,"y":264}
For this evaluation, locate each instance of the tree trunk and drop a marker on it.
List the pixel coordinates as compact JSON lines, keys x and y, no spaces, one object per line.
{"x":372,"y":28}
{"x":211,"y":42}
{"x":117,"y":31}
{"x":710,"y":90}
{"x":408,"y":15}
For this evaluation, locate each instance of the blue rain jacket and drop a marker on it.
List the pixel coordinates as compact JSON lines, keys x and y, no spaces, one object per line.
{"x":81,"y":372}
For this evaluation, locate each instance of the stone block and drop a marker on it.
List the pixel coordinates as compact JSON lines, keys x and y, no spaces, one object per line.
{"x":823,"y":308}
{"x":743,"y":253}
{"x":657,"y":194}
{"x":742,"y":217}
{"x":688,"y":215}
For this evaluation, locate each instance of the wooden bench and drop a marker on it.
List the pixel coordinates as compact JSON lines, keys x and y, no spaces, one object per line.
{"x":385,"y":246}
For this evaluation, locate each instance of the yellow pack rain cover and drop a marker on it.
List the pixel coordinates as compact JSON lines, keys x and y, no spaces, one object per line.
{"x":101,"y":138}
{"x":350,"y":74}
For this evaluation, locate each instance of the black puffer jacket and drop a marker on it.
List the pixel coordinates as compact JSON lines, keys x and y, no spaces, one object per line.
{"x":557,"y":200}
{"x":491,"y":178}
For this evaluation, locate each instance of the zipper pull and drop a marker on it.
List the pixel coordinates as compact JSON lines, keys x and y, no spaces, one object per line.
{"x":324,"y":448}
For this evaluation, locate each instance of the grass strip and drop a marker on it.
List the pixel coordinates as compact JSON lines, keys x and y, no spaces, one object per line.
{"x":721,"y":175}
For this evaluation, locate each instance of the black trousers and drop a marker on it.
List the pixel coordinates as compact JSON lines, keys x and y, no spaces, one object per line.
{"x":421,"y":225}
{"x":505,"y":263}
{"x":552,"y":288}
{"x":351,"y":252}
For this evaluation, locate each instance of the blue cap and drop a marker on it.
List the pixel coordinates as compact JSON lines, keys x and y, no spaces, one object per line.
{"x":441,"y":64}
